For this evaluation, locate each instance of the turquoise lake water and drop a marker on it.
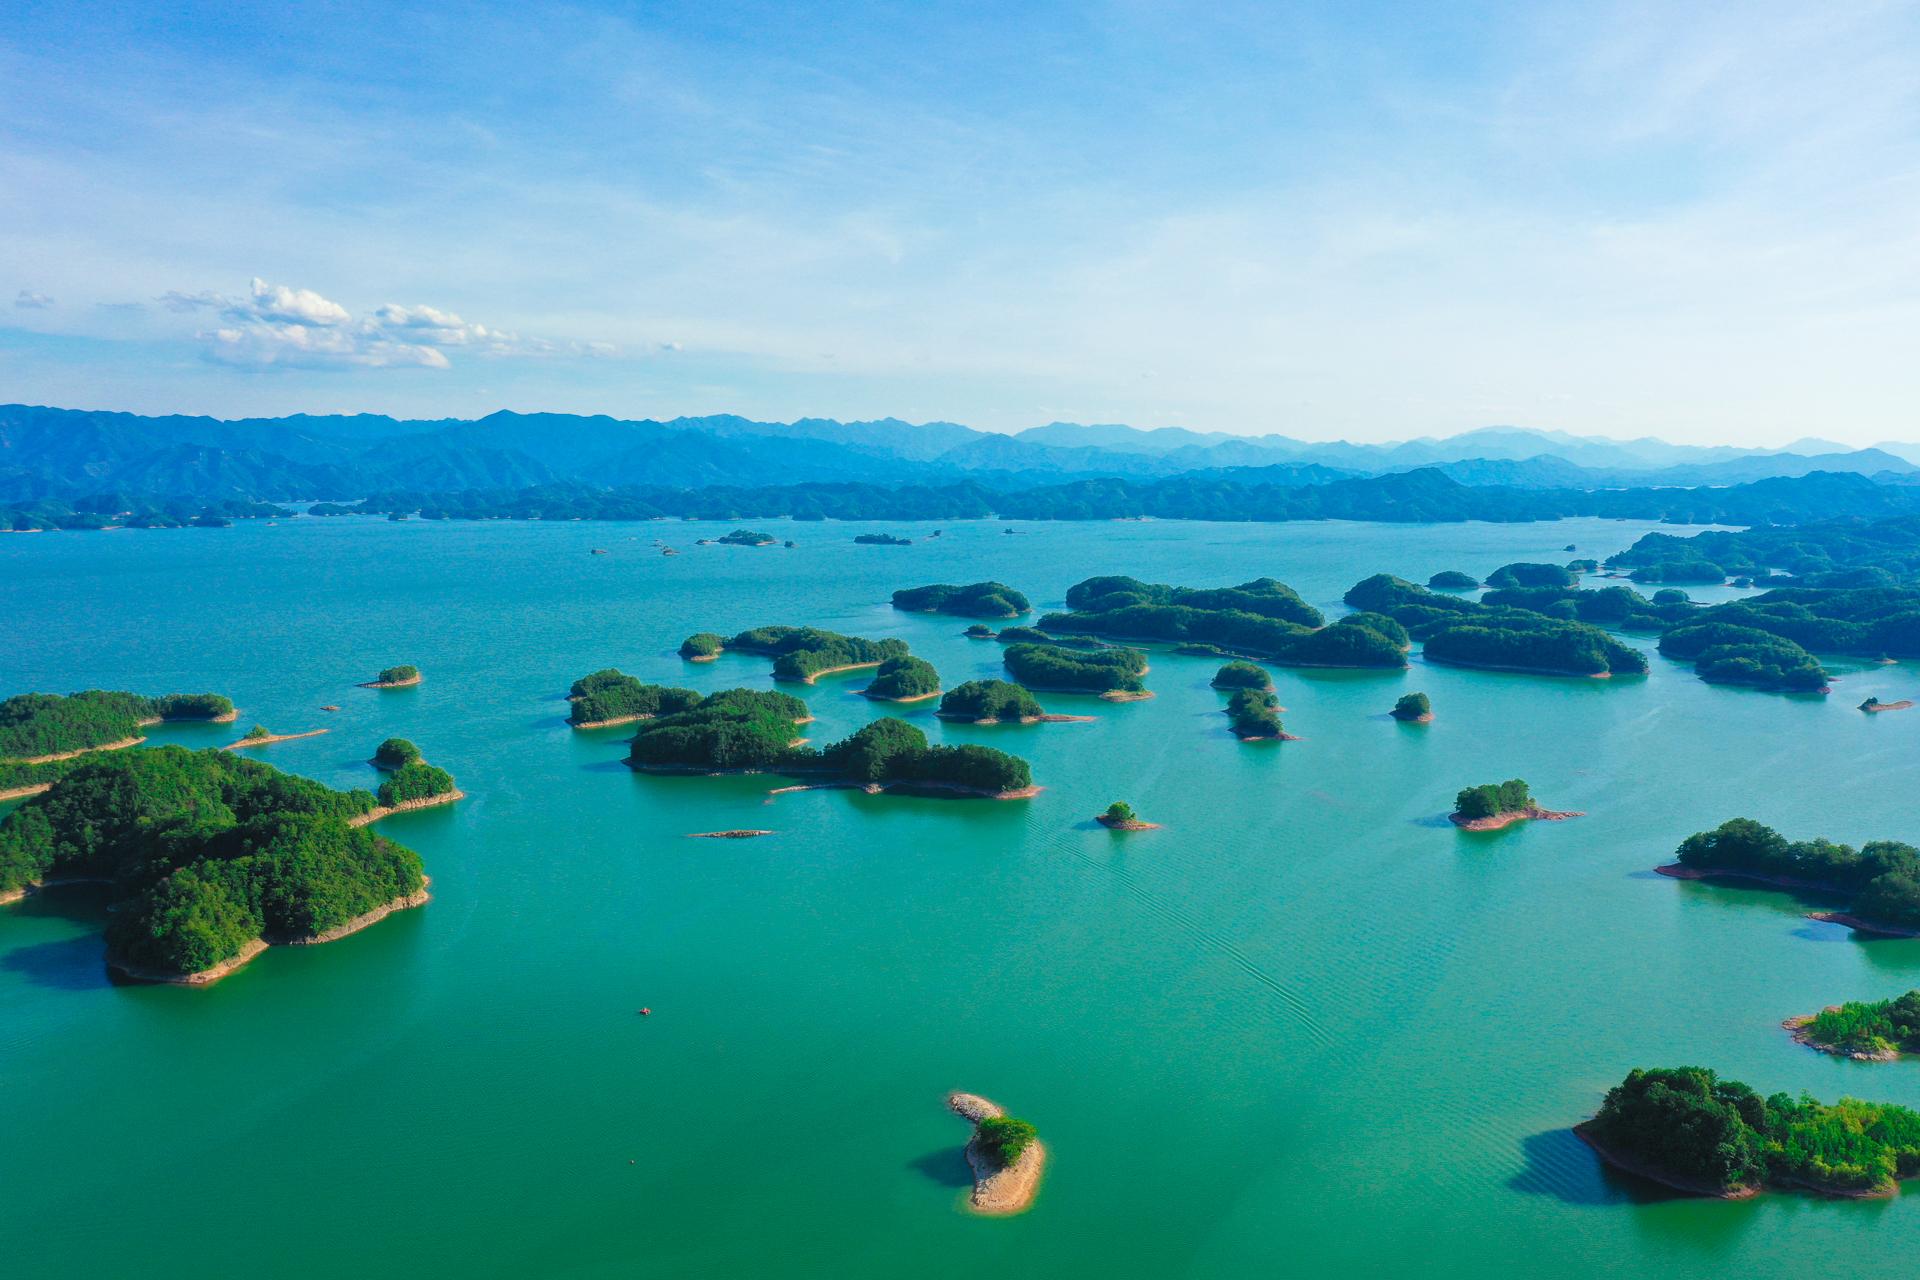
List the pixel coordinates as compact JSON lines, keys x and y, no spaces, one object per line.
{"x":1307,"y":1028}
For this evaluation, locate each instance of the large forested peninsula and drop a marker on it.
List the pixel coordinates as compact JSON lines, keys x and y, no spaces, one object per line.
{"x":974,"y":600}
{"x":750,"y":731}
{"x":210,"y":857}
{"x":1881,"y":878}
{"x":1263,"y":618}
{"x":1112,"y":673}
{"x":1689,"y":1129}
{"x":800,"y":654}
{"x":610,"y":697}
{"x":1499,"y":636}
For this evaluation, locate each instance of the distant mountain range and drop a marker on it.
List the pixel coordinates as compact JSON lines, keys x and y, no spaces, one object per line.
{"x":66,"y":454}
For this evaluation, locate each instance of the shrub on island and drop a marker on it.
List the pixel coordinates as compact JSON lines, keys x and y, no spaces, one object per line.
{"x":614,"y":697}
{"x":256,"y":733}
{"x":904,"y":679}
{"x":1004,"y":1139}
{"x":1241,"y":675}
{"x":1882,"y":877}
{"x":414,"y":781}
{"x":702,"y":645}
{"x":1414,"y":708}
{"x":1254,"y":713}
{"x":975,"y":600}
{"x":1688,"y":1128}
{"x":978,"y":631}
{"x":1453,"y":580}
{"x":395,"y":752}
{"x":400,"y":675}
{"x":1039,"y":666}
{"x":997,"y":700}
{"x":208,"y":854}
{"x":46,"y":724}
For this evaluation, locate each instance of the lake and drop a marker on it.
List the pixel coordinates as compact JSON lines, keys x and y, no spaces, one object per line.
{"x":1306,"y":1028}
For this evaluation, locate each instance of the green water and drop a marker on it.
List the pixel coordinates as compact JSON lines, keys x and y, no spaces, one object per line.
{"x":1306,"y":1029}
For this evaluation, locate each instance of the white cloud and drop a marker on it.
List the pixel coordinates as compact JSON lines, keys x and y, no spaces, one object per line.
{"x":28,"y":300}
{"x":276,"y":325}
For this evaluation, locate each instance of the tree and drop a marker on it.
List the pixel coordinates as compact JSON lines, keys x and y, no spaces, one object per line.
{"x":1120,"y":811}
{"x":1004,"y":1139}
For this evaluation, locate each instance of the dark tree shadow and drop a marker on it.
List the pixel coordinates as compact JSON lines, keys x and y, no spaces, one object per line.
{"x":1563,"y":1167}
{"x":947,"y":1166}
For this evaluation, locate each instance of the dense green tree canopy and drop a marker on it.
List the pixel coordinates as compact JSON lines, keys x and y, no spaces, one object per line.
{"x":1882,"y":876}
{"x":904,"y":677}
{"x":206,"y":851}
{"x":1000,"y":700}
{"x":1491,"y":799}
{"x":1242,"y":675}
{"x":1412,"y":706}
{"x":975,"y":600}
{"x":1453,"y":580}
{"x":1254,"y":713}
{"x":44,"y":724}
{"x":1095,"y":671}
{"x":613,"y":695}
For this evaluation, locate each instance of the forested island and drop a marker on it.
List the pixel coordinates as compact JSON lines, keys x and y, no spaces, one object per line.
{"x":1119,"y":816}
{"x":1263,"y":618}
{"x":612,"y":697}
{"x":1004,"y":1153}
{"x":1493,"y":805}
{"x":800,"y":654}
{"x":394,"y":678}
{"x":746,"y":538}
{"x":1114,"y":674}
{"x":394,"y":753}
{"x":996,"y":702}
{"x":210,"y":858}
{"x":1255,"y":714}
{"x":1688,"y":1129}
{"x":750,"y":731}
{"x":43,"y":735}
{"x":1453,"y":580}
{"x":1413,"y":708}
{"x":1497,"y":635}
{"x":1867,"y":1030}
{"x":904,"y":679}
{"x":1881,"y":879}
{"x":1242,"y":675}
{"x":882,"y":540}
{"x":974,"y":600}
{"x":413,"y":784}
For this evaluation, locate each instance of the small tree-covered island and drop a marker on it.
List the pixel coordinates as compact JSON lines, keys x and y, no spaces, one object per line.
{"x":1005,"y":1154}
{"x":1114,"y":674}
{"x":1119,"y":816}
{"x":611,"y":697}
{"x":1493,"y":805}
{"x":751,"y":731}
{"x":1686,"y":1128}
{"x":1866,"y":1030}
{"x":746,"y":538}
{"x":904,"y":679}
{"x":882,"y":540}
{"x":1413,"y":708}
{"x":394,"y":678}
{"x":1880,"y":880}
{"x":1254,"y":714}
{"x":210,"y":858}
{"x":800,"y":654}
{"x":1242,"y":675}
{"x":997,"y":702}
{"x":44,"y":735}
{"x":974,"y":600}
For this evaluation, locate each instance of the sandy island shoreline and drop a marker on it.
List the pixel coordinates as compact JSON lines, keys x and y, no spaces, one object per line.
{"x":997,"y":1191}
{"x":271,"y":737}
{"x":608,"y":724}
{"x":741,"y":834}
{"x":1901,"y":705}
{"x":425,"y":802}
{"x":1039,"y":719}
{"x":57,"y":756}
{"x":1532,"y":813}
{"x":1124,"y":824}
{"x":209,"y":976}
{"x":408,"y":683}
{"x":918,"y":697}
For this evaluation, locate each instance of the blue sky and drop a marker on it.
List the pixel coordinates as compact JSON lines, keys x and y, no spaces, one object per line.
{"x":1364,"y":220}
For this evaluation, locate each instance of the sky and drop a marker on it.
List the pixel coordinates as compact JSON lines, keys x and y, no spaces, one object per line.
{"x":1354,"y":220}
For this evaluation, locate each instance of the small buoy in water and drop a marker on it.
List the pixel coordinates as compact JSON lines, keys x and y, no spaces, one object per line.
{"x":645,"y":1012}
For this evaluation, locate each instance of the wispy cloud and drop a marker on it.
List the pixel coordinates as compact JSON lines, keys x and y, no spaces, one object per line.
{"x":28,"y":300}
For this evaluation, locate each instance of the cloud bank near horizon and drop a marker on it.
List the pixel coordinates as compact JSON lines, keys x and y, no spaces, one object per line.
{"x":1372,"y":221}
